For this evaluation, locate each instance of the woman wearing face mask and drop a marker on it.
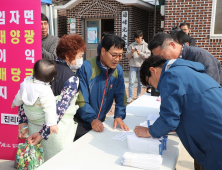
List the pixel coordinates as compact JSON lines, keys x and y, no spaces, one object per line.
{"x":65,"y":87}
{"x":77,"y":63}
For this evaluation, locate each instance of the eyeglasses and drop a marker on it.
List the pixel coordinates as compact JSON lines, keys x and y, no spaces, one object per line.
{"x":116,"y":55}
{"x":147,"y":83}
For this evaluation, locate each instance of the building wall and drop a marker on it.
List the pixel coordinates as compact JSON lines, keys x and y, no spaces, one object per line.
{"x":198,"y":14}
{"x":138,"y":21}
{"x":96,"y":9}
{"x":138,"y":18}
{"x":159,"y":18}
{"x":62,"y":22}
{"x":62,"y":19}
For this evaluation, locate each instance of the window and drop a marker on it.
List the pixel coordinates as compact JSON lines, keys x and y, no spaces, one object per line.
{"x":216,"y":19}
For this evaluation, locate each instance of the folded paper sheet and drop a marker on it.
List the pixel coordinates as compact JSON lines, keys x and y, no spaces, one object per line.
{"x":122,"y":136}
{"x":143,"y":161}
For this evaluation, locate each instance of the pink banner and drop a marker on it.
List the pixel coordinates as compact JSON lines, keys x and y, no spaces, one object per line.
{"x":20,"y":48}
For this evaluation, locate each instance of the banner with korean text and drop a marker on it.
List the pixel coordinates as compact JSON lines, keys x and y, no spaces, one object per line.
{"x":20,"y":48}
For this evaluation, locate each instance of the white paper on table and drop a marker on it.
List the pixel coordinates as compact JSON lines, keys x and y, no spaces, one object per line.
{"x":144,"y":161}
{"x":140,"y":157}
{"x":144,"y":124}
{"x":122,"y":136}
{"x":153,"y":117}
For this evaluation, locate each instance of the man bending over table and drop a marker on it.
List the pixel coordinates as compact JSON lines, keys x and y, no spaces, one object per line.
{"x":190,"y":104}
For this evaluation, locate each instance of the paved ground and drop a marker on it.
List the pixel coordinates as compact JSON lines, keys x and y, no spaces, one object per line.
{"x":6,"y":165}
{"x":185,"y":162}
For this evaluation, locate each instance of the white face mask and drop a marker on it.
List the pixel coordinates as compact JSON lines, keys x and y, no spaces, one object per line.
{"x":79,"y":63}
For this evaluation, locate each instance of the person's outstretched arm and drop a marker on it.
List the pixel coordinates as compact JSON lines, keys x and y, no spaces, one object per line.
{"x":68,"y":92}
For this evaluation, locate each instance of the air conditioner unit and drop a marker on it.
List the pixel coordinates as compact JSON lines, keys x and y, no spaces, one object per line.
{"x":162,"y":10}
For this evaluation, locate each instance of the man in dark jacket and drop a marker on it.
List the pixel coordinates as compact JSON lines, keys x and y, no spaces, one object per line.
{"x":101,"y":81}
{"x":185,"y":27}
{"x":162,"y":44}
{"x":190,"y":104}
{"x":180,"y":37}
{"x":49,"y":42}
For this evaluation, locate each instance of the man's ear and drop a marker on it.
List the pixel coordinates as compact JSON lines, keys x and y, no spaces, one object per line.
{"x":103,"y":50}
{"x":152,"y":70}
{"x":172,"y":44}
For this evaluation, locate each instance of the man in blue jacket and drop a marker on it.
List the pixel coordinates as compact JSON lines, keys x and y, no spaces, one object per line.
{"x":190,"y":104}
{"x":101,"y":80}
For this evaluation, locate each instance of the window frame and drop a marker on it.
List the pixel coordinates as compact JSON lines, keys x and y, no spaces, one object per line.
{"x":213,"y":17}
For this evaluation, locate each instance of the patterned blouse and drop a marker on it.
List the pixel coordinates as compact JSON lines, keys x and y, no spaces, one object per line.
{"x":68,"y":92}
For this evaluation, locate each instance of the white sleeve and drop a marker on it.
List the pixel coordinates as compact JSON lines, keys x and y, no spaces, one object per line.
{"x":18,"y":99}
{"x":146,"y":53}
{"x":129,"y":54}
{"x":48,"y":103}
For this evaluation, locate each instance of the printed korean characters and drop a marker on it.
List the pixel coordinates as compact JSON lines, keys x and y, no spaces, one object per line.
{"x":124,"y":26}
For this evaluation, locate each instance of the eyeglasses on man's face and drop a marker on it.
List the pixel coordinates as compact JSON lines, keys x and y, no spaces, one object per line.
{"x":116,"y":55}
{"x":147,"y":83}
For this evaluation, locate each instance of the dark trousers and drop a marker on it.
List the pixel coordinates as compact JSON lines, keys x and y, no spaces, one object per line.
{"x":197,"y":166}
{"x":81,"y":130}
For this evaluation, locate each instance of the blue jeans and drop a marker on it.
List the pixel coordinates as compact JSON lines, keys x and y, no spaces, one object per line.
{"x":132,"y":78}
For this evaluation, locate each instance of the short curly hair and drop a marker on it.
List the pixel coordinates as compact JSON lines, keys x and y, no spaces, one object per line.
{"x":70,"y":46}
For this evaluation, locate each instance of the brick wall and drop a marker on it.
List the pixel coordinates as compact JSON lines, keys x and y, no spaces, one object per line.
{"x":159,"y":18}
{"x":62,"y":19}
{"x":98,"y":9}
{"x":60,"y":2}
{"x":138,"y":19}
{"x":198,"y":14}
{"x":62,"y":22}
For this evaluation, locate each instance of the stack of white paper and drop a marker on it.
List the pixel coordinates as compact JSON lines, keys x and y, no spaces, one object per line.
{"x":149,"y":145}
{"x":143,"y":161}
